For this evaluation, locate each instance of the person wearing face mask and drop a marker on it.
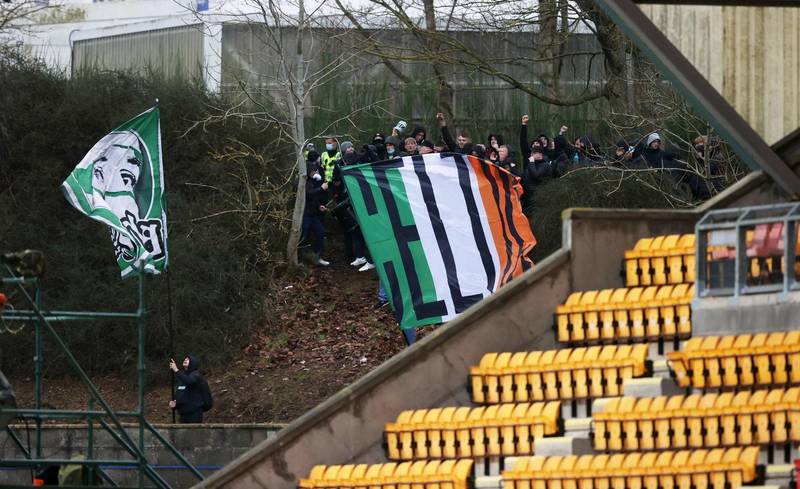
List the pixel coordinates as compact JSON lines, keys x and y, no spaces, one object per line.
{"x":329,"y":157}
{"x":316,"y":198}
{"x":379,"y":141}
{"x":392,"y":143}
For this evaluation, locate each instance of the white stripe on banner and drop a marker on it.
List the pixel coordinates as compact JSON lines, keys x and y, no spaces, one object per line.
{"x":452,"y":208}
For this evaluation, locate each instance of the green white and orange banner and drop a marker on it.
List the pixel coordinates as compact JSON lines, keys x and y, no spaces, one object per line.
{"x":444,"y":231}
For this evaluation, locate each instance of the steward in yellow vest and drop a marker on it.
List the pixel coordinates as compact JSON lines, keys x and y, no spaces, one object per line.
{"x":329,"y":157}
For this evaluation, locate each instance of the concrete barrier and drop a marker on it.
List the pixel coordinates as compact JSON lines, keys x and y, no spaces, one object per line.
{"x":207,"y":446}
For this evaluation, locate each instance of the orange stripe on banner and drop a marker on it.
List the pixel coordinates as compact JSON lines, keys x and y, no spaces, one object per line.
{"x":492,"y":215}
{"x":523,"y":228}
{"x":500,"y":176}
{"x":501,"y":222}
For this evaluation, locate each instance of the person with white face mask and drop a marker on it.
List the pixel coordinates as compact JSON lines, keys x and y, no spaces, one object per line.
{"x":329,"y":157}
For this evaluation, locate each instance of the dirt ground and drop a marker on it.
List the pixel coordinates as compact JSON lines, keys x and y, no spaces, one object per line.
{"x":332,"y":335}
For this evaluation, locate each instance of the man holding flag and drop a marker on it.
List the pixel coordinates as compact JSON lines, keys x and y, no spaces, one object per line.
{"x":120,"y":182}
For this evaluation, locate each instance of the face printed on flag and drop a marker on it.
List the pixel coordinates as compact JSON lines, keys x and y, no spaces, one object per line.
{"x":120,"y":182}
{"x":445,"y":231}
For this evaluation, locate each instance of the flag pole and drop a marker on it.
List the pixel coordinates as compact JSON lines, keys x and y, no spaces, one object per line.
{"x":170,"y":324}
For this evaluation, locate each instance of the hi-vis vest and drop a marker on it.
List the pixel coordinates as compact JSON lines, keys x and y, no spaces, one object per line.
{"x":328,"y":164}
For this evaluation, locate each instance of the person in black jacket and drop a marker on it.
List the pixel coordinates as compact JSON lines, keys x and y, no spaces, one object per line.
{"x":189,"y":397}
{"x":316,"y":199}
{"x":461,"y":146}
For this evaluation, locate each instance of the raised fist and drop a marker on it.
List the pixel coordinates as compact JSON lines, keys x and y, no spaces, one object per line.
{"x":525,"y":120}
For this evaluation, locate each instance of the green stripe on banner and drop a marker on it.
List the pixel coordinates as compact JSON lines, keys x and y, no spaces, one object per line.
{"x":379,"y":234}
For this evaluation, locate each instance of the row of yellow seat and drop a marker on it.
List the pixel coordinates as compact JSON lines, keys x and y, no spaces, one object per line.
{"x":500,"y":429}
{"x":568,"y":373}
{"x":711,"y":420}
{"x":626,"y":314}
{"x":741,"y":361}
{"x":661,"y":260}
{"x":685,"y":469}
{"x":447,"y":474}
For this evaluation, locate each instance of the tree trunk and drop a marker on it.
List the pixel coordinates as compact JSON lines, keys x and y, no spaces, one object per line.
{"x":444,"y":92}
{"x":298,"y":97}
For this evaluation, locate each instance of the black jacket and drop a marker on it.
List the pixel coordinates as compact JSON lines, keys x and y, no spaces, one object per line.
{"x":537,"y":172}
{"x":189,"y":394}
{"x":452,"y":146}
{"x":315,"y":197}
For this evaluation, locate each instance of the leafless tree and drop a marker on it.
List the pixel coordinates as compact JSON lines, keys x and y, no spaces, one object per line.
{"x":546,"y":30}
{"x":705,"y":159}
{"x":17,"y":16}
{"x":277,"y":90}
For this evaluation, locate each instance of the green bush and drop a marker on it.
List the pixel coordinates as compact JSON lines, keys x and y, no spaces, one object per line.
{"x":223,"y":191}
{"x":595,"y":187}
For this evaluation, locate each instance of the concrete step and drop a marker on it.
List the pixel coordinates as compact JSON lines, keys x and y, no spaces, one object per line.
{"x":778,"y":475}
{"x":661,"y":368}
{"x":578,"y":427}
{"x":651,"y":387}
{"x":489,"y":482}
{"x":562,"y":445}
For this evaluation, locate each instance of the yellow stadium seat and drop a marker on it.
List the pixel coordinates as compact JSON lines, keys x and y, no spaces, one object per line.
{"x":478,"y":385}
{"x":582,"y":387}
{"x":636,"y":264}
{"x":790,"y":400}
{"x":567,"y":377}
{"x":562,"y":316}
{"x":507,"y":381}
{"x":433,"y":433}
{"x":717,"y":468}
{"x":567,"y":373}
{"x":534,"y":389}
{"x":547,"y":367}
{"x":658,"y":263}
{"x":600,"y":426}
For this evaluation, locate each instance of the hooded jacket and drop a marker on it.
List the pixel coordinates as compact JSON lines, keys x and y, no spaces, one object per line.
{"x":657,"y":158}
{"x":189,"y":394}
{"x":417,"y":130}
{"x":397,"y":147}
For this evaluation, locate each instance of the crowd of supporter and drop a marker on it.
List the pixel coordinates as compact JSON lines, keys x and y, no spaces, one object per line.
{"x":539,"y":159}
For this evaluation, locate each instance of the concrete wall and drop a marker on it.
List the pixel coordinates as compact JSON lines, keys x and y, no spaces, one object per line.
{"x":208,"y":446}
{"x":751,"y":55}
{"x":755,"y":313}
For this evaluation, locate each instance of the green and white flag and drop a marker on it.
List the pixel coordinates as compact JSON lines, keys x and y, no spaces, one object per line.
{"x":120,"y":182}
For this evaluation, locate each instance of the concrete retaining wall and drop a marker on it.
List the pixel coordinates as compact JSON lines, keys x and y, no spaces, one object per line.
{"x":208,"y":446}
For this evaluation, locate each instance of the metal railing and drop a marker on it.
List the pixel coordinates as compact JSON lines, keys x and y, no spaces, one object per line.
{"x":748,"y":250}
{"x":105,"y":417}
